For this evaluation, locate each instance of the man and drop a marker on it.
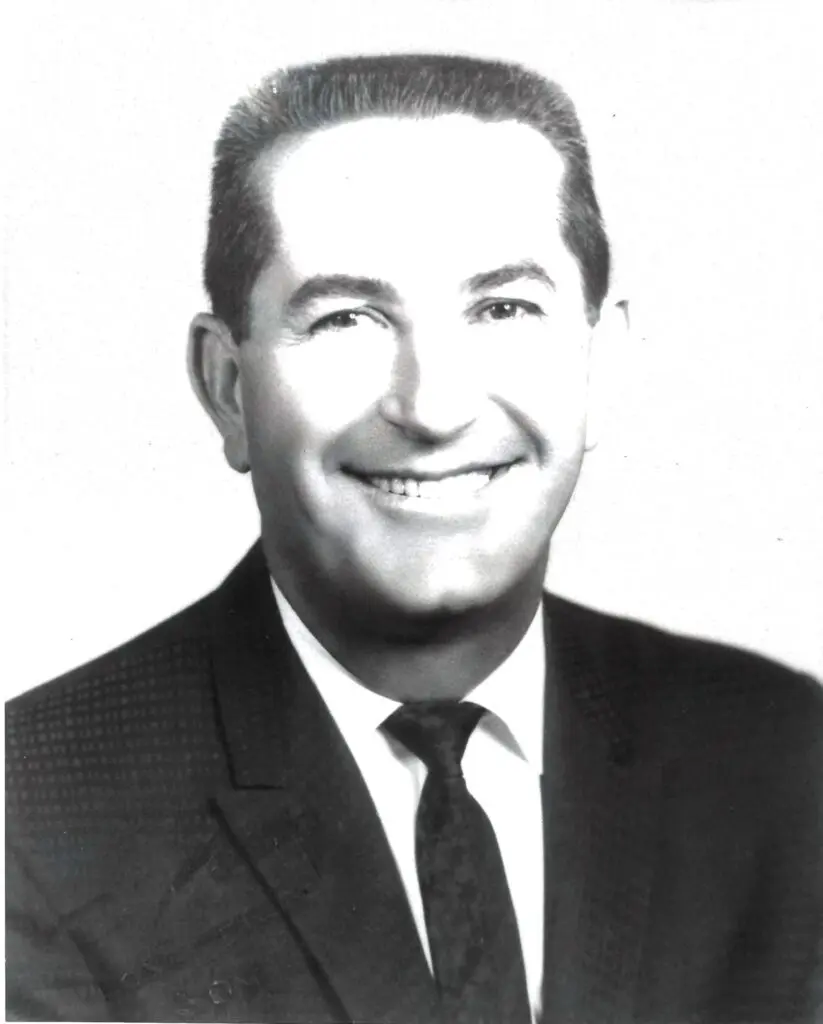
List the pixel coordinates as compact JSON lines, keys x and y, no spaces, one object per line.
{"x":378,"y":774}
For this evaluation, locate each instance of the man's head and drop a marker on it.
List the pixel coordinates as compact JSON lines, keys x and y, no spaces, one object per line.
{"x":242,"y":236}
{"x":405,"y":260}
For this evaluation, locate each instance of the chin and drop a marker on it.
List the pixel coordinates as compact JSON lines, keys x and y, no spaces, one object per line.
{"x":432,"y":596}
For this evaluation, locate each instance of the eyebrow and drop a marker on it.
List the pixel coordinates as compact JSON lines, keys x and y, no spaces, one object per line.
{"x":326,"y":286}
{"x":508,"y":274}
{"x":333,"y":286}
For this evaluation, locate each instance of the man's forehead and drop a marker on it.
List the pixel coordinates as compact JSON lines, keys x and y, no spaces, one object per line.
{"x":384,"y":158}
{"x":446,"y":186}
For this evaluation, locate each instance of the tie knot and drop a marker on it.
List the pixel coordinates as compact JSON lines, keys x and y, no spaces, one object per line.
{"x":436,"y":731}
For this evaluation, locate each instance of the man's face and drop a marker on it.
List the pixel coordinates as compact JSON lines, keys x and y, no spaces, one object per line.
{"x":414,"y":380}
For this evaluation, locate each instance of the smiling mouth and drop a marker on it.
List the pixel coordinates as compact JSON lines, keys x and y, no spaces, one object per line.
{"x":432,"y":486}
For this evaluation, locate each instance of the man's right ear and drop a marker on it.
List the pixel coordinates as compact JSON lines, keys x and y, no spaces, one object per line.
{"x":214,"y":372}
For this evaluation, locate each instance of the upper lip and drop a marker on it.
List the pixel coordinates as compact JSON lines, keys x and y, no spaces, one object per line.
{"x":417,"y":473}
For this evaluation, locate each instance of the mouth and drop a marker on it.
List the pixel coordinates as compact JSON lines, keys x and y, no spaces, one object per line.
{"x":463,"y":482}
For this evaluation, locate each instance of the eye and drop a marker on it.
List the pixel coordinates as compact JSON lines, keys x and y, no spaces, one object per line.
{"x":507,"y":309}
{"x":346,"y":319}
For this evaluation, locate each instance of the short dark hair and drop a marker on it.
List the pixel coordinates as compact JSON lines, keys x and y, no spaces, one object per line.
{"x":301,"y":99}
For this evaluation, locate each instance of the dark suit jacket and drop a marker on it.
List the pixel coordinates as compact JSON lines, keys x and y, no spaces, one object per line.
{"x":190,"y":839}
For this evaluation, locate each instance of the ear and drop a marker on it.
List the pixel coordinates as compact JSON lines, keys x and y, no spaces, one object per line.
{"x":607,"y":352}
{"x":213,"y":364}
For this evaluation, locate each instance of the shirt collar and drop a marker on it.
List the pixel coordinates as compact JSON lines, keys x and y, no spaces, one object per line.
{"x":513,"y":693}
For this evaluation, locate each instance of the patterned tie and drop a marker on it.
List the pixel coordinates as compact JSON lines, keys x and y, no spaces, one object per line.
{"x":472,"y":928}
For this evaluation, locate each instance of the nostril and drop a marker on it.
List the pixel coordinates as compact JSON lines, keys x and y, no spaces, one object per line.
{"x":428,"y":419}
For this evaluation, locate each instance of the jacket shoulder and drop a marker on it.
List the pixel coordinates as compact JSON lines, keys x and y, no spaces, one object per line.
{"x":165,"y":645}
{"x":138,"y":720}
{"x":132,"y":727}
{"x":684,"y":693}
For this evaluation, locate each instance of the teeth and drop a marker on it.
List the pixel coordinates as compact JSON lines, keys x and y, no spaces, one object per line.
{"x":462,"y":483}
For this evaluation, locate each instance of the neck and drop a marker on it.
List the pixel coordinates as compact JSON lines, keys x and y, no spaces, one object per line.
{"x":433,"y":658}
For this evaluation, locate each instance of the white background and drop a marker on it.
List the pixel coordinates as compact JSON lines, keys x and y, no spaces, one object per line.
{"x":701,"y":508}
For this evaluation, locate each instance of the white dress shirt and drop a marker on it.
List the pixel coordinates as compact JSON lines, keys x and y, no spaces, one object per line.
{"x":502,"y":765}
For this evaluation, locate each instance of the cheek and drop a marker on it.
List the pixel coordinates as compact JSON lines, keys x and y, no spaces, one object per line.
{"x":311,"y":392}
{"x":544,"y":380}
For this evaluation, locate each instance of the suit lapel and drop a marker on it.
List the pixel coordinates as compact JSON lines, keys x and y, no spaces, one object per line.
{"x":601,"y":814}
{"x":301,"y":815}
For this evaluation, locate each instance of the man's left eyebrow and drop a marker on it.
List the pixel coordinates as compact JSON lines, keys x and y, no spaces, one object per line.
{"x":525,"y":270}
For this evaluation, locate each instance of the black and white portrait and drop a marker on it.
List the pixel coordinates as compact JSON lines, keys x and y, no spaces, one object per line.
{"x":413,"y":524}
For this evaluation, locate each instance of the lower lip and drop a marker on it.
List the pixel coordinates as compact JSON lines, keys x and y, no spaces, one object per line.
{"x":450,"y":505}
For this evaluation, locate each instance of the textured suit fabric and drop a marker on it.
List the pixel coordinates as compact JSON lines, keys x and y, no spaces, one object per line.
{"x":188,"y":837}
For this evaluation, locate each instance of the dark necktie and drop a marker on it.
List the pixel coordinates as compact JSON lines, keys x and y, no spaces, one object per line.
{"x":472,"y":928}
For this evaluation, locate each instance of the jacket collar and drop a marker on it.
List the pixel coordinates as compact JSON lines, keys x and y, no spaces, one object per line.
{"x":300,"y":811}
{"x":299,"y":807}
{"x":585,"y":653}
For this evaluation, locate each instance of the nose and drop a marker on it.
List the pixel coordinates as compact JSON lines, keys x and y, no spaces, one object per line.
{"x":435,"y":394}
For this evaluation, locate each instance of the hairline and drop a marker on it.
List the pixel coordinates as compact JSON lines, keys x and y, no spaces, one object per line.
{"x":300,"y":100}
